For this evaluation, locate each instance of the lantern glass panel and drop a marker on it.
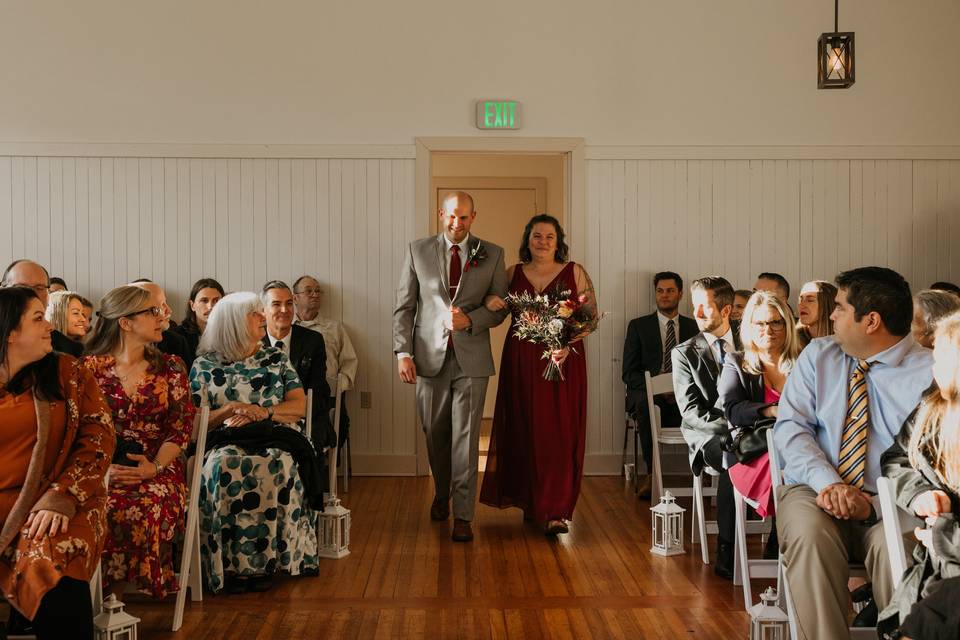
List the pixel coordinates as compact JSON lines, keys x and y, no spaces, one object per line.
{"x":835,"y":60}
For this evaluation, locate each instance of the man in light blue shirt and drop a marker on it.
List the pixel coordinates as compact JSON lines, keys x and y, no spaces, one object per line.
{"x":841,"y":408}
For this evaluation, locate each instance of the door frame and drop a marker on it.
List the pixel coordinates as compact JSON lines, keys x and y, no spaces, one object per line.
{"x":574,"y":186}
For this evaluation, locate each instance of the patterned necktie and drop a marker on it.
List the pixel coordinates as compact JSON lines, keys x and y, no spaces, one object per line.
{"x":852,"y":463}
{"x":456,"y":269}
{"x":668,"y":345}
{"x":721,"y":350}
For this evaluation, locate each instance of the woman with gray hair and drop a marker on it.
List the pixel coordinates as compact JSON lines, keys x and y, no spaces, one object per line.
{"x":929,"y":307}
{"x":254,"y":516}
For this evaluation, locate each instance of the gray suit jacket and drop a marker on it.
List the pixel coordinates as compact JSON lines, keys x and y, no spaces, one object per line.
{"x":423,"y":299}
{"x":695,"y":377}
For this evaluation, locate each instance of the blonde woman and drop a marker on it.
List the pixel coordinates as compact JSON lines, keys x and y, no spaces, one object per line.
{"x":65,"y":313}
{"x":924,"y":465}
{"x":815,"y":306}
{"x":149,"y":397}
{"x":751,"y":383}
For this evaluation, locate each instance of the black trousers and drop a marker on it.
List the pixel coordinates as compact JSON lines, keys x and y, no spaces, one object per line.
{"x":65,"y":612}
{"x":712,"y":453}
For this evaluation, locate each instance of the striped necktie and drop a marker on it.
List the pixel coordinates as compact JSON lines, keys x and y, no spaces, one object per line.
{"x":669,"y":343}
{"x":852,"y":465}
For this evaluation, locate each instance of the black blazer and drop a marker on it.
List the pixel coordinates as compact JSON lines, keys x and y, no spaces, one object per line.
{"x":741,"y":393}
{"x":643,"y":351}
{"x":63,"y":344}
{"x":308,"y":354}
{"x":175,"y":345}
{"x":695,"y":378}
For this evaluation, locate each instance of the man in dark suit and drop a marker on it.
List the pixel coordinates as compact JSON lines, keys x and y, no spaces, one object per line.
{"x":696,"y":369}
{"x":647,"y":348}
{"x":26,"y":273}
{"x":306,"y":351}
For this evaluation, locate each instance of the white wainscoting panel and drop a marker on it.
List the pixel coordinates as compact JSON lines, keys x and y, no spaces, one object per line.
{"x":102,"y":221}
{"x":806,"y":219}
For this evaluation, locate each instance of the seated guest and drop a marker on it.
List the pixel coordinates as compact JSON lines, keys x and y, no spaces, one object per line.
{"x":57,"y":284}
{"x":647,"y":347}
{"x":26,"y":273}
{"x":740,"y":297}
{"x":341,"y":356}
{"x":929,"y":307}
{"x":842,"y":406}
{"x":254,"y":518}
{"x":87,"y":313}
{"x":149,"y":396}
{"x":56,"y":439}
{"x":204,"y":296}
{"x":750,"y":386}
{"x":815,"y":307}
{"x":171,"y":343}
{"x":65,"y":313}
{"x":306,"y":351}
{"x":696,"y":371}
{"x":946,"y":286}
{"x":924,"y":465}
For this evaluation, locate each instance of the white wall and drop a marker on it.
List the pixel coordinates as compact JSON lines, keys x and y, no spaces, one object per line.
{"x":697,"y":72}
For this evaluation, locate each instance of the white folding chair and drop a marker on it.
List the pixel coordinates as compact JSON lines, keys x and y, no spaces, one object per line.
{"x":308,"y":427}
{"x":190,"y":576}
{"x":895,"y":521}
{"x":332,"y":462}
{"x":856,"y":570}
{"x":745,"y":567}
{"x":659,"y":385}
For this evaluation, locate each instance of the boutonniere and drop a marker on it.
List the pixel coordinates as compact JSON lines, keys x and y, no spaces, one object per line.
{"x":477,"y":255}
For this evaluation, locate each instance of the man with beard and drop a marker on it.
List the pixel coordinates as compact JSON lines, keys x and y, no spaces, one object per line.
{"x":696,"y":370}
{"x":647,"y":347}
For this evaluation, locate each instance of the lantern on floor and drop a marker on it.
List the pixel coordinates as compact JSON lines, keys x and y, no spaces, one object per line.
{"x":835,"y":68}
{"x":667,"y":523}
{"x":767,"y":620}
{"x":114,"y":623}
{"x":334,"y":530}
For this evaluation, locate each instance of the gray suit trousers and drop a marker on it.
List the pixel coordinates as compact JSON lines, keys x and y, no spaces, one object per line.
{"x":451,"y":407}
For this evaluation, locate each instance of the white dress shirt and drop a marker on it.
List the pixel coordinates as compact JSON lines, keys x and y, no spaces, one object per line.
{"x":286,"y":341}
{"x":728,"y":344}
{"x":663,"y":322}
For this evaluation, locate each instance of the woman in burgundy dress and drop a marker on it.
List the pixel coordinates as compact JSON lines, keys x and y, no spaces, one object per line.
{"x":535,"y":459}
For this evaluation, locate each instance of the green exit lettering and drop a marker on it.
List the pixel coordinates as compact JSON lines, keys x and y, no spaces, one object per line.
{"x":498,"y":114}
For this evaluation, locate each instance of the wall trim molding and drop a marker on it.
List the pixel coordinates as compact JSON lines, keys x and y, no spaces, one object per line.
{"x":152,"y":150}
{"x":773,"y":152}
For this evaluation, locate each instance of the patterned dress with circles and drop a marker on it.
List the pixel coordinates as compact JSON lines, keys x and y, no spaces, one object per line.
{"x":254,"y":519}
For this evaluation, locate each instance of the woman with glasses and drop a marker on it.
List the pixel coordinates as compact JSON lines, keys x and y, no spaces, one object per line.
{"x":56,"y":440}
{"x":204,"y":295}
{"x":149,"y":396}
{"x":750,"y":386}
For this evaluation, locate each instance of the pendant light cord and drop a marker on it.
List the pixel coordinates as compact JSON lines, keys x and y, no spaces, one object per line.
{"x":836,"y":16}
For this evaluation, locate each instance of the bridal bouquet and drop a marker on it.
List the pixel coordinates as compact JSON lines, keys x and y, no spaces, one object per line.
{"x":554,"y":320}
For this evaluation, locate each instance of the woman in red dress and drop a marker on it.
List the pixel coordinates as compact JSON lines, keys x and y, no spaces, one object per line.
{"x":149,"y":396}
{"x":535,"y":459}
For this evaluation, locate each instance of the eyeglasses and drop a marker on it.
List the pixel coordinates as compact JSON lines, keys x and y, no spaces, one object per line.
{"x":771,"y":325}
{"x":310,"y":292}
{"x":39,"y":288}
{"x":156,"y":312}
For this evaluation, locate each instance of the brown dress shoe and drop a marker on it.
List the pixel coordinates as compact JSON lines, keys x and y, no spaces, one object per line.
{"x":439,"y":510}
{"x":461,"y":531}
{"x":555,"y":527}
{"x":643,"y":488}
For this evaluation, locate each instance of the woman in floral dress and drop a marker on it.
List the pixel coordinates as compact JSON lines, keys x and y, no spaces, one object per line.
{"x":254,"y":518}
{"x":149,"y":397}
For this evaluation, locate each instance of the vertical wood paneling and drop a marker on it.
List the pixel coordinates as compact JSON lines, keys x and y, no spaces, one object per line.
{"x":101,"y":221}
{"x":804,"y":218}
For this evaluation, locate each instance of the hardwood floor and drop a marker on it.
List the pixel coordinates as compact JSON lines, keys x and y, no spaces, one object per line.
{"x":406,"y":579}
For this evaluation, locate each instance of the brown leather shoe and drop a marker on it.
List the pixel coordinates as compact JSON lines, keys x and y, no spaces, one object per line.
{"x":555,"y":527}
{"x":461,"y":531}
{"x":643,"y":488}
{"x":439,"y":510}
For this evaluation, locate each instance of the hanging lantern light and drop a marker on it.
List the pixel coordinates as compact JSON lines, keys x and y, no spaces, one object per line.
{"x":767,"y":620}
{"x":667,"y":524}
{"x":835,"y":56}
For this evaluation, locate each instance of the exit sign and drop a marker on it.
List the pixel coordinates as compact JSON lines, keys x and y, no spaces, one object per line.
{"x":498,"y":114}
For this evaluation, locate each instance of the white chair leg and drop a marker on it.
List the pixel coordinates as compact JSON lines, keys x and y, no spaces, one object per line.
{"x":196,"y":575}
{"x":788,"y":599}
{"x":741,"y":567}
{"x":701,"y":518}
{"x":96,"y":591}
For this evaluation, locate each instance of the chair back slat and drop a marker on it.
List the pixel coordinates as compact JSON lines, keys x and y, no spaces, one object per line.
{"x":308,"y":428}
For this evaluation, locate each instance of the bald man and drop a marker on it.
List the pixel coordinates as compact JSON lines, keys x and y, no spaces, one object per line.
{"x":172,"y":343}
{"x":441,"y":335}
{"x":26,"y":273}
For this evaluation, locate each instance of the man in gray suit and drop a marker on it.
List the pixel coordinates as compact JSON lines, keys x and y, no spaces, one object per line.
{"x":442,"y":341}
